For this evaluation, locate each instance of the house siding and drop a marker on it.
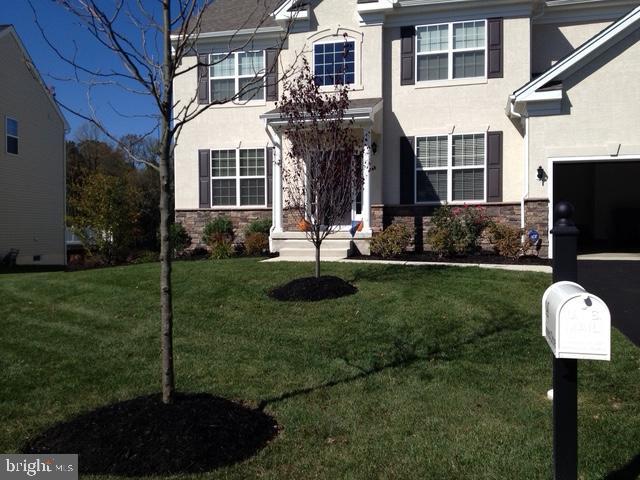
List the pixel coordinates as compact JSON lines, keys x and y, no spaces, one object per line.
{"x":600,"y":113}
{"x":413,"y":110}
{"x":32,"y":184}
{"x":599,"y":109}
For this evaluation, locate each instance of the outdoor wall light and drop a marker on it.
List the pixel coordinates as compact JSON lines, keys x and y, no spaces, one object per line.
{"x":542,"y":175}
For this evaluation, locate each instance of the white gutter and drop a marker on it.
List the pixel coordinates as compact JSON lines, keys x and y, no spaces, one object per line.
{"x":232,"y":33}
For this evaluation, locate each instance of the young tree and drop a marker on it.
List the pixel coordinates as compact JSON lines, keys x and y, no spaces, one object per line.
{"x":173,"y":26}
{"x":322,"y":171}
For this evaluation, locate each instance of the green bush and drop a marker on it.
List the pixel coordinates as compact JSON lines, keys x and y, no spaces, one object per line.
{"x":391,"y":242}
{"x":222,"y":249}
{"x":261,"y":225}
{"x":216,"y":228}
{"x":218,"y":236}
{"x":180,"y":239}
{"x":456,"y":231}
{"x":506,"y":239}
{"x":256,"y":243}
{"x":144,"y":256}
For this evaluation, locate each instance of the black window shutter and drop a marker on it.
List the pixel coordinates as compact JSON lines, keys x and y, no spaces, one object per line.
{"x":205,"y":178}
{"x":203,"y":79}
{"x":269,"y":176}
{"x":495,"y":53}
{"x":494,"y":167}
{"x":272,"y":74}
{"x":407,"y":55}
{"x":407,"y":170}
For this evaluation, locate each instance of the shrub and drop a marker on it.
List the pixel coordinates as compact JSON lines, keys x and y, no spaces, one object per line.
{"x":222,"y":249}
{"x":218,"y":236}
{"x":456,"y":231}
{"x":180,"y":239}
{"x":256,"y":243}
{"x":391,"y":242}
{"x":261,"y":225}
{"x":216,"y":229}
{"x":506,"y":239}
{"x":145,"y":256}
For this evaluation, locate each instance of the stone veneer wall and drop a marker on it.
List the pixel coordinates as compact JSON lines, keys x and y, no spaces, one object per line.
{"x":195,"y":220}
{"x":418,"y":219}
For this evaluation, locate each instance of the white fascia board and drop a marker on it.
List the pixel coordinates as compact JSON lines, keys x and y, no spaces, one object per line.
{"x":32,"y":66}
{"x":543,"y":96}
{"x":448,"y":4}
{"x":227,"y":34}
{"x":437,"y":13}
{"x":593,"y":47}
{"x":284,"y":13}
{"x":585,"y":11}
{"x":378,"y":6}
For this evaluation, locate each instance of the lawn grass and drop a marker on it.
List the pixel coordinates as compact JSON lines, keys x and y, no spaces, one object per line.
{"x":427,"y":372}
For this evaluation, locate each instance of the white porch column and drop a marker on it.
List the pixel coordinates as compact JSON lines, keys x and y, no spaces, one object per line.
{"x":366,"y":188}
{"x":277,"y":185}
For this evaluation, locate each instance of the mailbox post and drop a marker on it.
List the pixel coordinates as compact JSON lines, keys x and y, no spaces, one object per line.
{"x":576,"y":325}
{"x":565,"y":370}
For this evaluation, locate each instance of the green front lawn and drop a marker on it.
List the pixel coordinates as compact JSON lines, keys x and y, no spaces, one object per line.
{"x":429,"y":373}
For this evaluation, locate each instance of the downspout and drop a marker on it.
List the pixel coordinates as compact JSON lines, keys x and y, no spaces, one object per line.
{"x":524,"y":120}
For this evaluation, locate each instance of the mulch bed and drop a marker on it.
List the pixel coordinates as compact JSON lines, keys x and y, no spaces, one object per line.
{"x":143,"y":436}
{"x":312,"y":289}
{"x":484,"y":258}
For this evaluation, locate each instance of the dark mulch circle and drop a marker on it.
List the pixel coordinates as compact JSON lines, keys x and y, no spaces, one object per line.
{"x":312,"y":289}
{"x":143,"y":436}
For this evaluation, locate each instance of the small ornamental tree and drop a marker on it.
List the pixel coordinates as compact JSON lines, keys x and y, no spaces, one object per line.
{"x":322,"y":169}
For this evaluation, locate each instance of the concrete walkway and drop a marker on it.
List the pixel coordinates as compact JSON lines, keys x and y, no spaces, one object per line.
{"x":629,"y":257}
{"x":514,"y":268}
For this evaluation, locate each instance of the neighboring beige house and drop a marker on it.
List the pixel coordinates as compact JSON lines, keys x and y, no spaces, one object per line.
{"x":32,"y":160}
{"x":509,"y":104}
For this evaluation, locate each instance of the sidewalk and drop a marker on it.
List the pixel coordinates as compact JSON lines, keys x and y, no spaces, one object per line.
{"x":514,"y":268}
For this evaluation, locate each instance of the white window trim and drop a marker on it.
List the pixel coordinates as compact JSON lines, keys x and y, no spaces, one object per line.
{"x":237,"y":177}
{"x":449,"y":169}
{"x":357,"y":84}
{"x":237,"y":76}
{"x":7,"y":135}
{"x":450,"y":51}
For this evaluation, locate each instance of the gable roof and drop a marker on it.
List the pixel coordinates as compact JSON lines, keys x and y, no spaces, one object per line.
{"x":581,"y":56}
{"x":231,"y":15}
{"x":9,"y":30}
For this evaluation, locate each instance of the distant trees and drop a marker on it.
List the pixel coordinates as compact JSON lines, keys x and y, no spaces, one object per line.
{"x":112,"y":200}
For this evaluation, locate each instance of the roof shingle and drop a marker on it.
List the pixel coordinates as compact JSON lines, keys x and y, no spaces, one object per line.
{"x":231,"y":15}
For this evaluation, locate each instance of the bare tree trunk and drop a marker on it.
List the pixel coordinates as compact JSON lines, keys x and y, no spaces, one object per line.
{"x":317,"y":261}
{"x":166,"y":301}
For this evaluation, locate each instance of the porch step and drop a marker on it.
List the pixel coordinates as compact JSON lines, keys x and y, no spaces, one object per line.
{"x":303,"y":244}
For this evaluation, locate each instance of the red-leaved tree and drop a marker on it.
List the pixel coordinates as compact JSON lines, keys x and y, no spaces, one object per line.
{"x":322,"y":169}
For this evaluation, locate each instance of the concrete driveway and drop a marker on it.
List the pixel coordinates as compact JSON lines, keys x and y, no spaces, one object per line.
{"x":617,"y":282}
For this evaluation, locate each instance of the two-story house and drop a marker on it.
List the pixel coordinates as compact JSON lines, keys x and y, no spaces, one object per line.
{"x":509,"y":104}
{"x":32,"y":161}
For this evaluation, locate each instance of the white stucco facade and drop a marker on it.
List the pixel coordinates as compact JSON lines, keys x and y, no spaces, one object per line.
{"x":599,"y":112}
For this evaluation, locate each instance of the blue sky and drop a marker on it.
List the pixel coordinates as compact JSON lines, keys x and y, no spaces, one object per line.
{"x":113,"y":105}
